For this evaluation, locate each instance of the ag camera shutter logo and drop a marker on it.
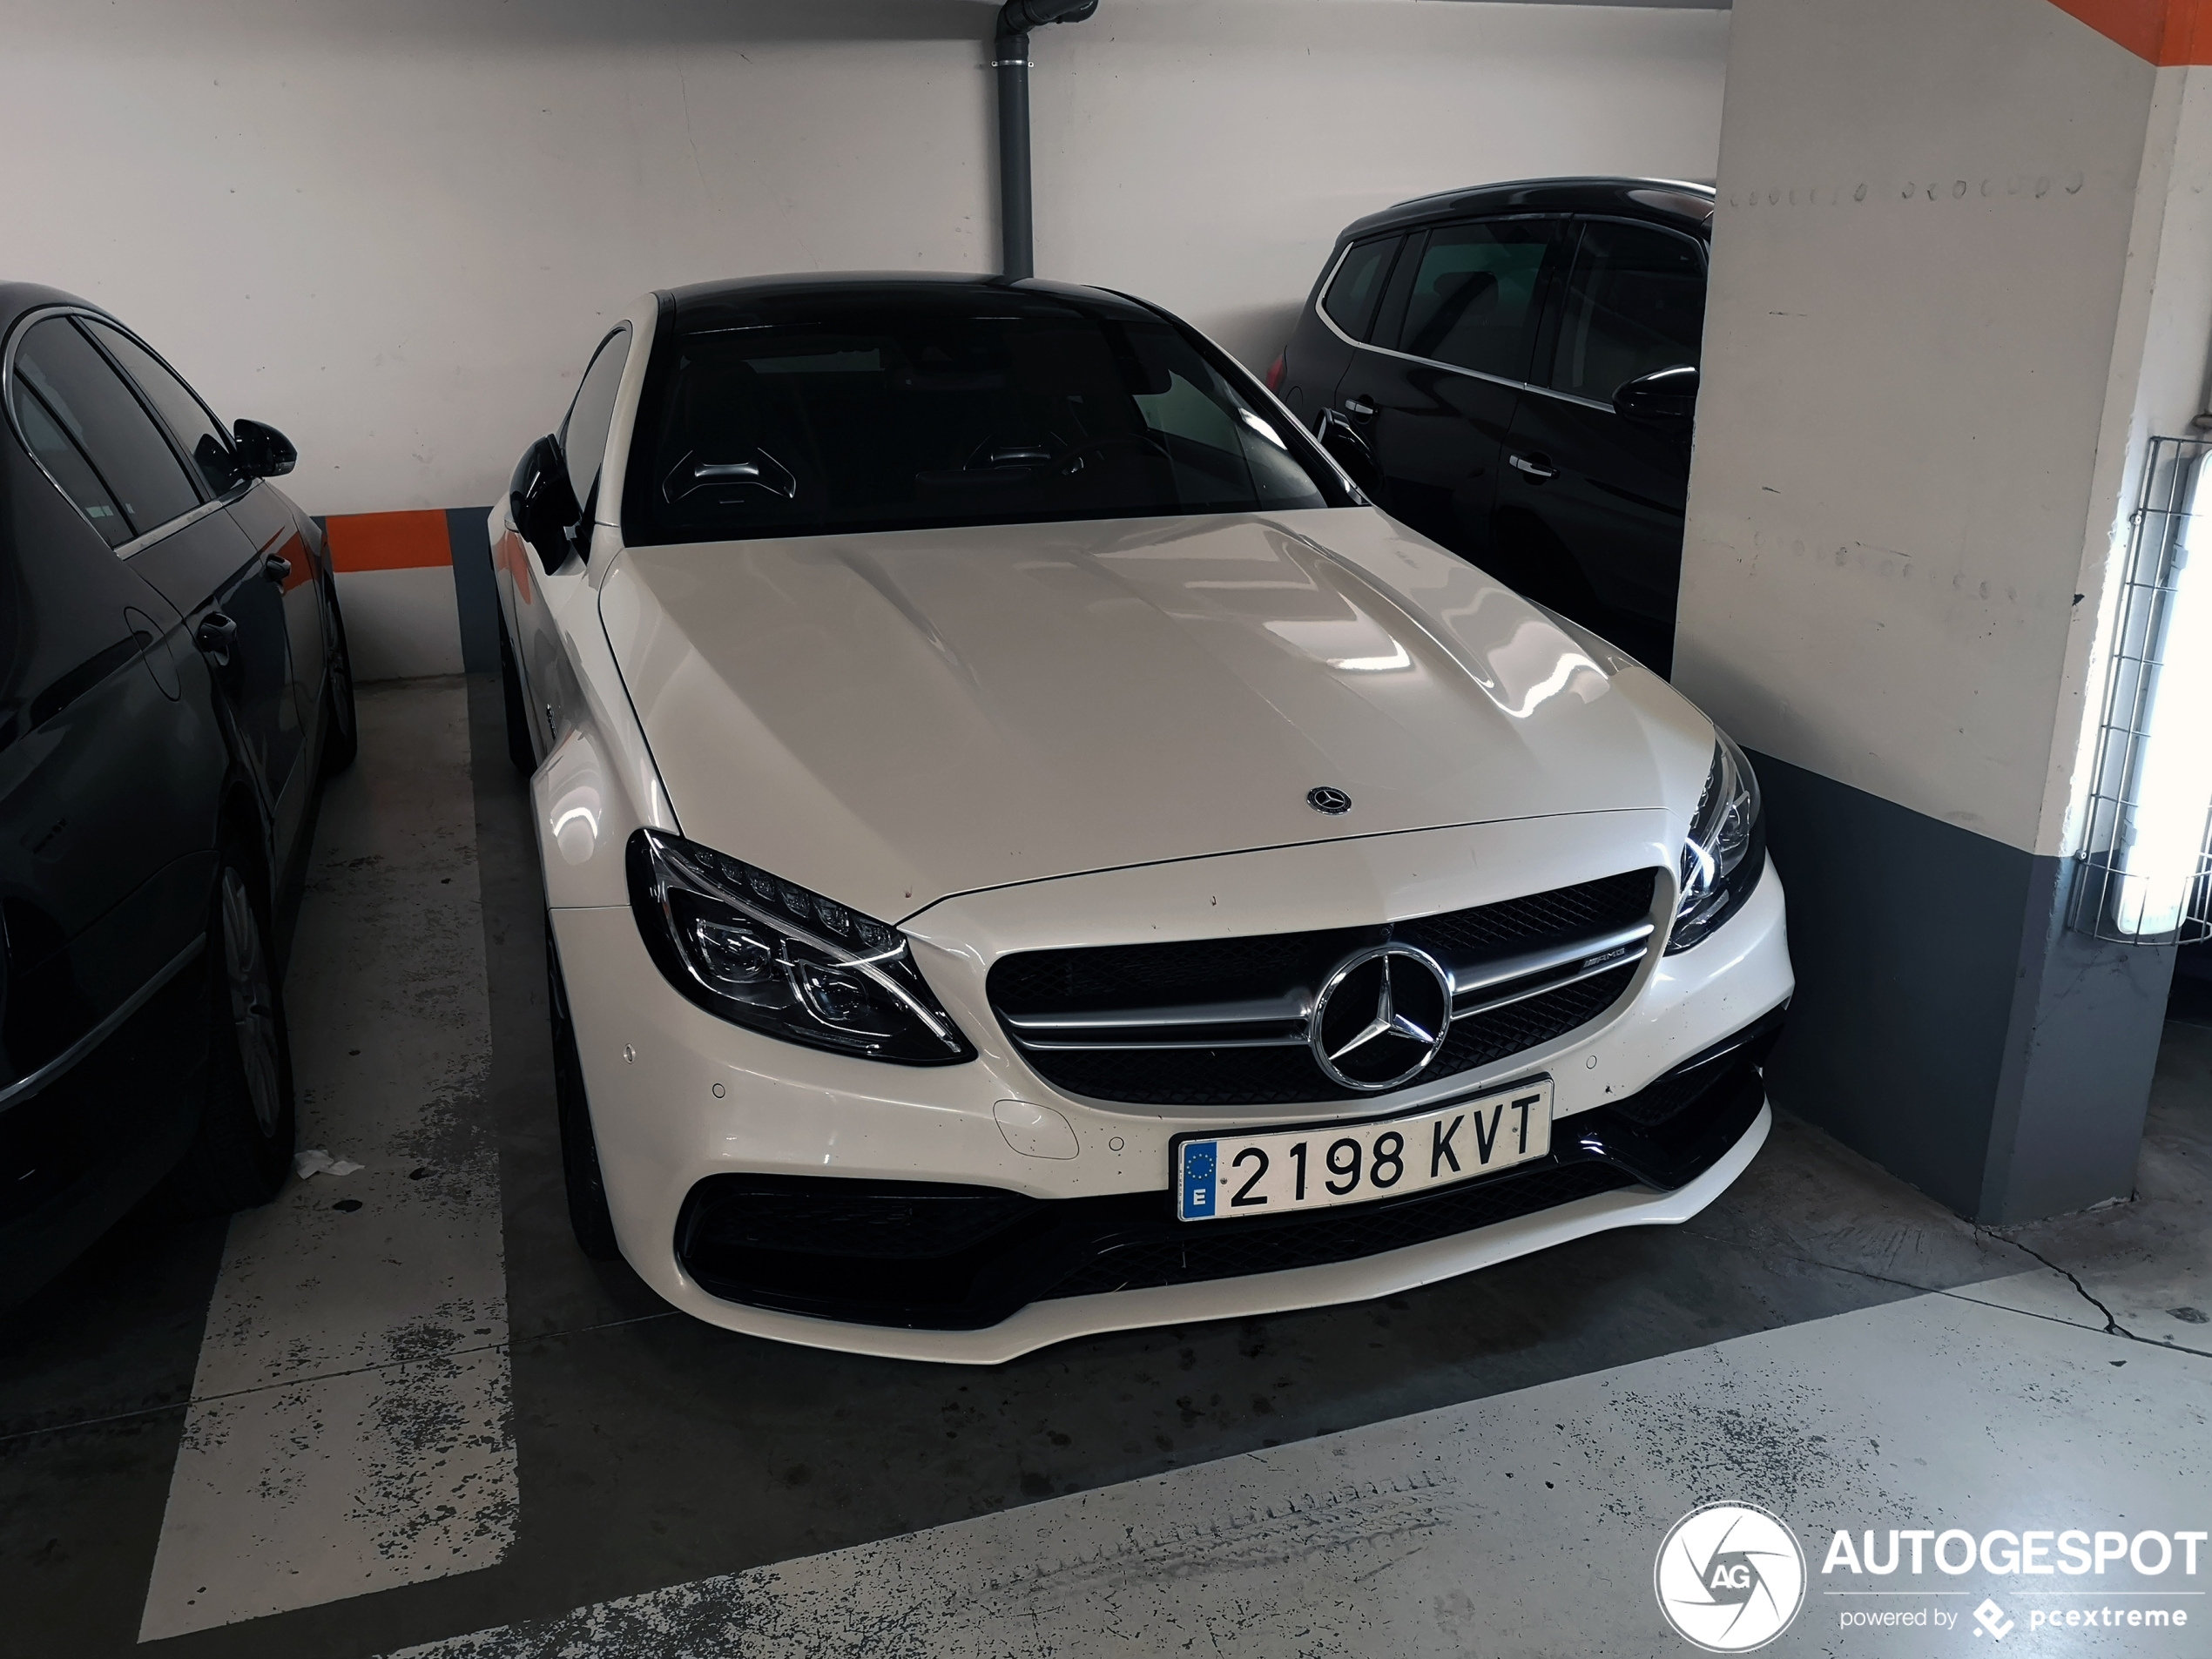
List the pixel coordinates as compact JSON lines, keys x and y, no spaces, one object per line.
{"x":1729,"y":1577}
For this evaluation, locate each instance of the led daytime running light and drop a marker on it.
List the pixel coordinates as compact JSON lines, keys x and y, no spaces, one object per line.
{"x":764,"y":952}
{"x":1725,"y":850}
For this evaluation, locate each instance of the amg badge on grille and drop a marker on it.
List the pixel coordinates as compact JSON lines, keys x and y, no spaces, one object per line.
{"x":1325,"y":799}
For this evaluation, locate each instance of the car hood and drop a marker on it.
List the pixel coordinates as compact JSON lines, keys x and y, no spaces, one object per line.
{"x":892,"y":718}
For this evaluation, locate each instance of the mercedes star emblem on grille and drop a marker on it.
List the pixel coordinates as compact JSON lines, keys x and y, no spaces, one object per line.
{"x":1381,"y":1017}
{"x":1325,"y":799}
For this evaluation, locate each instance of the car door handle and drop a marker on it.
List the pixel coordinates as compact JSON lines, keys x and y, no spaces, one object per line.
{"x":276,"y":566}
{"x":1537,"y":467}
{"x":1360,"y":406}
{"x":217,"y":635}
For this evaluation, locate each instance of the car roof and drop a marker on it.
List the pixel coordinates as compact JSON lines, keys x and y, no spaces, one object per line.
{"x":17,"y":298}
{"x":1685,"y":204}
{"x":804,"y":296}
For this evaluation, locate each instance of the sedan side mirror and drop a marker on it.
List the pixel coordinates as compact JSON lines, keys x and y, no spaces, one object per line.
{"x":1666,"y":400}
{"x":543,"y":504}
{"x":263,"y":452}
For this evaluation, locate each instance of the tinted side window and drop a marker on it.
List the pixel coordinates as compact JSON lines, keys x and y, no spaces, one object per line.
{"x":200,"y":434}
{"x":1220,"y":457}
{"x":107,"y":422}
{"x":1358,"y":283}
{"x":583,"y":433}
{"x":61,"y":457}
{"x":1473,"y":298}
{"x":1634,"y":303}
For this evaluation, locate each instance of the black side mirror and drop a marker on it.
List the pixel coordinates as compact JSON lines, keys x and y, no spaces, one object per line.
{"x":1666,"y":400}
{"x":543,"y":506}
{"x":263,"y":452}
{"x":1348,"y":449}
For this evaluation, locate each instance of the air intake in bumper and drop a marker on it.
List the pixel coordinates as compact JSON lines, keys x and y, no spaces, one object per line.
{"x":933,"y":1256}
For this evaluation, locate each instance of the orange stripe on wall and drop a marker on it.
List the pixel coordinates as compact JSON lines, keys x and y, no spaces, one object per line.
{"x":389,"y":541}
{"x":2165,"y":32}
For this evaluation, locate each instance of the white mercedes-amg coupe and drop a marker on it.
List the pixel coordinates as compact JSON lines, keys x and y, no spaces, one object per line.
{"x":1031,"y":850}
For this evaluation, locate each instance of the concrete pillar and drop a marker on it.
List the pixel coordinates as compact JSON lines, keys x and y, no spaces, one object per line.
{"x":1962,"y":271}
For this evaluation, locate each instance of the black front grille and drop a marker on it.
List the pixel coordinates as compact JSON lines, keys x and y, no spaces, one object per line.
{"x":1273,"y":965}
{"x":1517,"y":924}
{"x":931,"y":1256}
{"x":1052,"y":982}
{"x":1281,"y":1076}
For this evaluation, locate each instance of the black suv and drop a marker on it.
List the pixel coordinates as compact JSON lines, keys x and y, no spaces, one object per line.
{"x":173,"y":682}
{"x":1513,"y":371}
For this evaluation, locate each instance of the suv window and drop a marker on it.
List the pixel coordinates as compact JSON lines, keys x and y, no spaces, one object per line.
{"x":1634,"y":304}
{"x":1358,"y":283}
{"x":1474,"y":300}
{"x":105,"y":420}
{"x":198,"y":434}
{"x":584,"y":430}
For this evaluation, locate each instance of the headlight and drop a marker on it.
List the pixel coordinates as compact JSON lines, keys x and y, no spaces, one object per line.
{"x":766,"y":952}
{"x":1726,"y":851}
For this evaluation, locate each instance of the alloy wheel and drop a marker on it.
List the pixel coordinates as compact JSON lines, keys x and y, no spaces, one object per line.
{"x":252,"y":999}
{"x":341,"y":678}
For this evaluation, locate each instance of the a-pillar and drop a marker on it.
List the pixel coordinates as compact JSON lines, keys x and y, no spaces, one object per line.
{"x":1962,"y":272}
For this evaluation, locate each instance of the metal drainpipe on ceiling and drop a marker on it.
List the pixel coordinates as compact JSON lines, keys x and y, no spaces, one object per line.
{"x":1010,"y":59}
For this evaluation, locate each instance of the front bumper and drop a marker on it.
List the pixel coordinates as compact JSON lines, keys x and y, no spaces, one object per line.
{"x":679,"y":1098}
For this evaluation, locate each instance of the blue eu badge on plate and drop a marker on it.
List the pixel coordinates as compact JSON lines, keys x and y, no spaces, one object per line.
{"x":1197,"y":1179}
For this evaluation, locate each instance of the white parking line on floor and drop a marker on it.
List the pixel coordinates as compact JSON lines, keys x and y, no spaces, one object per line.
{"x":1492,"y":1527}
{"x":350,"y":1429}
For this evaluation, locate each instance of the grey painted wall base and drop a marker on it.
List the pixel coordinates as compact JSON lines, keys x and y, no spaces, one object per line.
{"x":475,"y":589}
{"x":1947,"y":1023}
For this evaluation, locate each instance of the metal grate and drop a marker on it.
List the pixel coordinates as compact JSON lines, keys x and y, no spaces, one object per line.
{"x":2124,"y":885}
{"x":1669,"y":1096}
{"x":890,"y":1220}
{"x":1500,"y":929}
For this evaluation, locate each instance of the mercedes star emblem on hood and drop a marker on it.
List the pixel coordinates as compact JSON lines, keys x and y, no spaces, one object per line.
{"x":1325,"y":799}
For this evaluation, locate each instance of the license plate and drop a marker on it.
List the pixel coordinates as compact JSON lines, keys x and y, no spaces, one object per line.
{"x":1267,"y":1172}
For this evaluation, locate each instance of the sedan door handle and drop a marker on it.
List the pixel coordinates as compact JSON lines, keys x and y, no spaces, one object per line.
{"x":1537,"y":467}
{"x":276,"y":566}
{"x":217,"y":635}
{"x":1360,"y":406}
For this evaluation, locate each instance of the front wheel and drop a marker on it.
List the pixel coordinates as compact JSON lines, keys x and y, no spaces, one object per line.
{"x":520,"y":754}
{"x":341,"y":740}
{"x":242,"y":1151}
{"x":589,"y":1217}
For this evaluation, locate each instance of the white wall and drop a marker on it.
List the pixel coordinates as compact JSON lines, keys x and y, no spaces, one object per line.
{"x":1923,"y":348}
{"x":393,"y":229}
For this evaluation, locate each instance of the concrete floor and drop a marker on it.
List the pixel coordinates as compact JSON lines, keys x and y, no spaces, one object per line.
{"x":347,"y":1433}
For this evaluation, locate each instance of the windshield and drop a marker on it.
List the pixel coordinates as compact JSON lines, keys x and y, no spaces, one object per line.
{"x":887,"y":414}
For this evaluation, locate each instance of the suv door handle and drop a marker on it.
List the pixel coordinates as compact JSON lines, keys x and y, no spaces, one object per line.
{"x":1539,"y":467}
{"x":1360,"y":406}
{"x":217,"y":635}
{"x":276,"y":566}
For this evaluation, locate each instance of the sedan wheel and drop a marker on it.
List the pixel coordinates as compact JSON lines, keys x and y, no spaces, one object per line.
{"x":253,"y":1001}
{"x":241,"y":1153}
